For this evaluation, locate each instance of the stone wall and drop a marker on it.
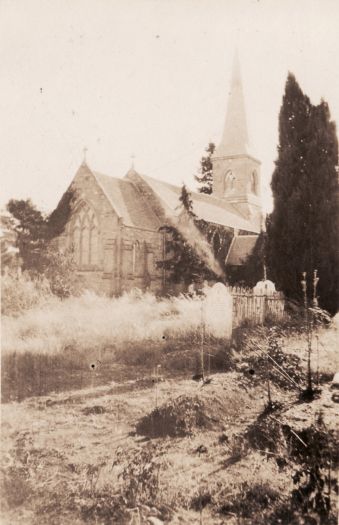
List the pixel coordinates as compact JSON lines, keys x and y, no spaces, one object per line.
{"x":126,"y":257}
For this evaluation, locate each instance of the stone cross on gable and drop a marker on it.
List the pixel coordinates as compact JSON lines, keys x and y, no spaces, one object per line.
{"x":85,"y":149}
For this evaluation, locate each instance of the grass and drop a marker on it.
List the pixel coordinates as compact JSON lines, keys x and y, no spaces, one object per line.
{"x":49,"y":344}
{"x":91,"y":322}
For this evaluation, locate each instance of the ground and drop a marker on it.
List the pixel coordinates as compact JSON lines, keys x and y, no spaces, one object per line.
{"x":88,"y":456}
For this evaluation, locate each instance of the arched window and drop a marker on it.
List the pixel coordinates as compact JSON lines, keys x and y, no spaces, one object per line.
{"x":76,"y":239}
{"x":94,"y":241}
{"x":84,"y":237}
{"x":229,"y":181}
{"x":136,"y":258}
{"x":254,"y":182}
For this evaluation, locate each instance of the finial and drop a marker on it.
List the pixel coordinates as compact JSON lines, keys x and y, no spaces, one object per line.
{"x":85,"y":149}
{"x":132,"y":163}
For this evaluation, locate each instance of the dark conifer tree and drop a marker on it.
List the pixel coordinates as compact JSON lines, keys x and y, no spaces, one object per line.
{"x":303,"y":227}
{"x":30,"y":229}
{"x":182,"y":261}
{"x":205,"y":176}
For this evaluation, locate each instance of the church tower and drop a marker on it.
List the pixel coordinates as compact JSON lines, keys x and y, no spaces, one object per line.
{"x":236,"y":174}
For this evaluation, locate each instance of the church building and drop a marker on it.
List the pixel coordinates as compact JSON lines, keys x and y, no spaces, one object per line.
{"x":114,"y":223}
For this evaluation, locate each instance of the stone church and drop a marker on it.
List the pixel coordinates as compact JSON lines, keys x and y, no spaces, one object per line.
{"x":114,"y":223}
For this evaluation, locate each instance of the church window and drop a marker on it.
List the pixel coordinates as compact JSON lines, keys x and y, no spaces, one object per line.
{"x":136,"y":258}
{"x":229,"y":182}
{"x":254,"y":183}
{"x":150,"y":262}
{"x":85,"y":240}
{"x":76,"y":238}
{"x":85,"y":237}
{"x":94,"y":241}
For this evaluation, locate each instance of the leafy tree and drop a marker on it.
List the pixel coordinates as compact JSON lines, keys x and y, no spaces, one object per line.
{"x":34,"y":239}
{"x":205,"y":176}
{"x":303,"y":227}
{"x":9,"y":252}
{"x":31,"y":232}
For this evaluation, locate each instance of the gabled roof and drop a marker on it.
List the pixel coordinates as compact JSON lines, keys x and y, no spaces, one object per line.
{"x":241,"y":248}
{"x":127,"y":202}
{"x":206,"y":207}
{"x":144,"y":202}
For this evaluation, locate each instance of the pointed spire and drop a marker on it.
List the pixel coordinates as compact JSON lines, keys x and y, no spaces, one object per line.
{"x":235,"y":137}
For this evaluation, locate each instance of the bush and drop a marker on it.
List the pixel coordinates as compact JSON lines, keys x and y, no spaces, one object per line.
{"x":253,"y":501}
{"x":20,"y":292}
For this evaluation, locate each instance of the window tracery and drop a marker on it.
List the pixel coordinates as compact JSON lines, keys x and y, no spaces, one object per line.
{"x":84,"y":237}
{"x":229,"y":181}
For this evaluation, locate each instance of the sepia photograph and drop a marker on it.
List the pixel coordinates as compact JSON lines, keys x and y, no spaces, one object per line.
{"x":169,"y":262}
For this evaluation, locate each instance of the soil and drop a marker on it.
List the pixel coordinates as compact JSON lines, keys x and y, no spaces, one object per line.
{"x":173,"y":451}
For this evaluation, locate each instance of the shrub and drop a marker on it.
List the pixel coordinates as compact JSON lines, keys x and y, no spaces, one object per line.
{"x":253,"y":501}
{"x":20,"y":292}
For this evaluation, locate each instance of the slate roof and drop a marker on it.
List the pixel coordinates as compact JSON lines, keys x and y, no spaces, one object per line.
{"x":134,"y":208}
{"x":240,"y":249}
{"x":206,"y":207}
{"x":127,"y":202}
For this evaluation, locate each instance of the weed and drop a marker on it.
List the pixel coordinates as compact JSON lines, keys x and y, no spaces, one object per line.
{"x":251,"y":501}
{"x":141,"y":476}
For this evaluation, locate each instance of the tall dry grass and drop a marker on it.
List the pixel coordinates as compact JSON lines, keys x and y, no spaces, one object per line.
{"x":93,"y":322}
{"x":51,"y":344}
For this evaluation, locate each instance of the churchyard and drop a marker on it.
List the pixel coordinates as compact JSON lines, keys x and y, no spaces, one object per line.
{"x":107,"y":420}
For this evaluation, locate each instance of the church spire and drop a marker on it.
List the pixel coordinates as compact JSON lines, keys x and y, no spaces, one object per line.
{"x":235,"y":136}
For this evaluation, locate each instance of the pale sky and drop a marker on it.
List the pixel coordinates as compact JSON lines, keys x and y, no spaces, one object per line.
{"x":149,"y":78}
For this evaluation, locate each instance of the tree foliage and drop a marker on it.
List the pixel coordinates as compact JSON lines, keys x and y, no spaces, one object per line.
{"x":182,"y":260}
{"x":31,"y":232}
{"x":40,"y":257}
{"x":205,"y":175}
{"x":252,"y":270}
{"x":303,"y":227}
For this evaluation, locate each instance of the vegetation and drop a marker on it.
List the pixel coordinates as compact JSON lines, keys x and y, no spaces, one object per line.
{"x":303,"y":229}
{"x":214,"y":457}
{"x":34,"y":233}
{"x":195,"y":250}
{"x":253,"y":269}
{"x":205,"y":175}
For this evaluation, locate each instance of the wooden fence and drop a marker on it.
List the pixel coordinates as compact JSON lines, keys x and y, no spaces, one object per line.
{"x":256,"y":309}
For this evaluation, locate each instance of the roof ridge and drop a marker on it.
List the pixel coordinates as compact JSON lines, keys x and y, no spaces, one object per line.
{"x":95,"y":175}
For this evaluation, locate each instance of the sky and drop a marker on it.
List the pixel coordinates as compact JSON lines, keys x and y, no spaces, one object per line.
{"x":149,"y":79}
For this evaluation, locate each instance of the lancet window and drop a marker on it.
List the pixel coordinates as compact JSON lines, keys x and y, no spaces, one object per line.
{"x":85,"y":237}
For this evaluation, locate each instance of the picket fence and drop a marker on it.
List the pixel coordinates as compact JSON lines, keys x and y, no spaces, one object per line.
{"x":256,"y":309}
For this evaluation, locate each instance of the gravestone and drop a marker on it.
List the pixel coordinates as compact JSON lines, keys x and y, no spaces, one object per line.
{"x":265,"y":287}
{"x":217,"y":311}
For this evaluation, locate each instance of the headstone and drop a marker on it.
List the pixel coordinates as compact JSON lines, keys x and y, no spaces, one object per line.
{"x":217,"y":311}
{"x":265,"y":287}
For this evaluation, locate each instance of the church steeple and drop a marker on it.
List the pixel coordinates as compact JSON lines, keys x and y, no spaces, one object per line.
{"x":236,"y":174}
{"x":235,"y":135}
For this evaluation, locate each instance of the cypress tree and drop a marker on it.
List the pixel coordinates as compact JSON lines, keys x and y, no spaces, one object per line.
{"x":205,"y":176}
{"x":303,"y":227}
